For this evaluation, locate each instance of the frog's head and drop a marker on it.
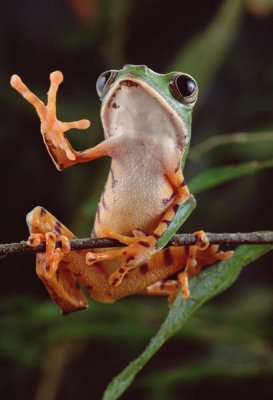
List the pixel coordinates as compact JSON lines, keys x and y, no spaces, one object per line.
{"x":140,"y":103}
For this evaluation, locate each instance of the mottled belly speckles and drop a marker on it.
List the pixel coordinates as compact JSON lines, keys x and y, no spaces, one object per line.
{"x":114,"y":180}
{"x":167,"y":200}
{"x":104,"y":204}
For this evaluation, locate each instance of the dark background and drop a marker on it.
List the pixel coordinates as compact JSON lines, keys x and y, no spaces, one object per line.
{"x":82,"y":39}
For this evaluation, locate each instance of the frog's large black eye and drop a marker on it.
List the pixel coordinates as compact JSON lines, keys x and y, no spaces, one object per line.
{"x":184,"y":88}
{"x":104,"y":81}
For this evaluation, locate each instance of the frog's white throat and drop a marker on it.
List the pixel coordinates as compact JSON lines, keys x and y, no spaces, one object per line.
{"x":135,"y":110}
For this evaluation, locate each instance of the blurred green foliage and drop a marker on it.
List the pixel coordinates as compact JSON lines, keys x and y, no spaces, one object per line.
{"x":226,"y":47}
{"x":203,"y":287}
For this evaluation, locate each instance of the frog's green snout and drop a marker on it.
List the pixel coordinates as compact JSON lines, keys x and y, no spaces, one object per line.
{"x":135,"y":69}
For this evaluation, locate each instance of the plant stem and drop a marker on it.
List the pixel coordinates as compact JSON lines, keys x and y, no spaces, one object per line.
{"x":177,"y":240}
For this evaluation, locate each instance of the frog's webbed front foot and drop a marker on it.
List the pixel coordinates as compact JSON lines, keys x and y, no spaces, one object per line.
{"x":138,"y":250}
{"x":52,"y":129}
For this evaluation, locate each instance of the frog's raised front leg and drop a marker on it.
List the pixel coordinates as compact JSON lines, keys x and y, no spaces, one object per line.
{"x":51,"y":266}
{"x":53,"y":130}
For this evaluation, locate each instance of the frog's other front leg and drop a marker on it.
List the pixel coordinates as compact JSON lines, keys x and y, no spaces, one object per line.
{"x":51,"y":266}
{"x":181,"y":194}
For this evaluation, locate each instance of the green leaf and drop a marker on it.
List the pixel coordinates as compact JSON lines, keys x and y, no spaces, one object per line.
{"x":182,"y":214}
{"x":195,"y":371}
{"x":230,"y":138}
{"x":216,"y":176}
{"x":203,"y":287}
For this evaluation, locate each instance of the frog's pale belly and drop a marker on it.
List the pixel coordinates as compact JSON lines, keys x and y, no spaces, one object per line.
{"x":133,"y":199}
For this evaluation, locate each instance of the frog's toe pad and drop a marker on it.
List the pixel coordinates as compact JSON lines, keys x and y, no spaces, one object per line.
{"x":202,"y":241}
{"x":224,"y":255}
{"x":90,"y":258}
{"x":56,"y":77}
{"x":35,"y":239}
{"x":184,"y":283}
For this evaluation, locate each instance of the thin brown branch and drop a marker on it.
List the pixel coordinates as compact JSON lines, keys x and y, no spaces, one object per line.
{"x":184,"y":239}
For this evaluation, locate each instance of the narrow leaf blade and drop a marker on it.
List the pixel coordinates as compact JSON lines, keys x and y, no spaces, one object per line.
{"x":203,"y":287}
{"x":216,"y":176}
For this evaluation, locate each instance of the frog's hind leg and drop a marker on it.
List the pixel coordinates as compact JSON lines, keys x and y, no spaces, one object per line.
{"x":51,"y":266}
{"x":191,"y":260}
{"x":169,"y":288}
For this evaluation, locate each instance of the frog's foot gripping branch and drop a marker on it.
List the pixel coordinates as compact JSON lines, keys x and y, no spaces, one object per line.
{"x":53,"y":255}
{"x":199,"y":255}
{"x":138,"y":250}
{"x":192,"y":267}
{"x":51,"y":265}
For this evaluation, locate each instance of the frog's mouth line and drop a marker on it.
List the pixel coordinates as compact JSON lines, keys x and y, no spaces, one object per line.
{"x":148,"y":101}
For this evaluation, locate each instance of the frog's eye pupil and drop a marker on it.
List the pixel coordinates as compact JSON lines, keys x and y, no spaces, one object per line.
{"x":104,"y":81}
{"x":185,"y":85}
{"x":184,"y":88}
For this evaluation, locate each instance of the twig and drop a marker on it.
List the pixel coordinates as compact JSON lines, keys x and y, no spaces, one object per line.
{"x":184,"y":239}
{"x":261,"y":237}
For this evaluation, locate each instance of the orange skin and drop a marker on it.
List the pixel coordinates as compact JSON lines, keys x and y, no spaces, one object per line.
{"x":114,"y":273}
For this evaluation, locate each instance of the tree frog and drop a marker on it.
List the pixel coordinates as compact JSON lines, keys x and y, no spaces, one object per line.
{"x":146,"y":119}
